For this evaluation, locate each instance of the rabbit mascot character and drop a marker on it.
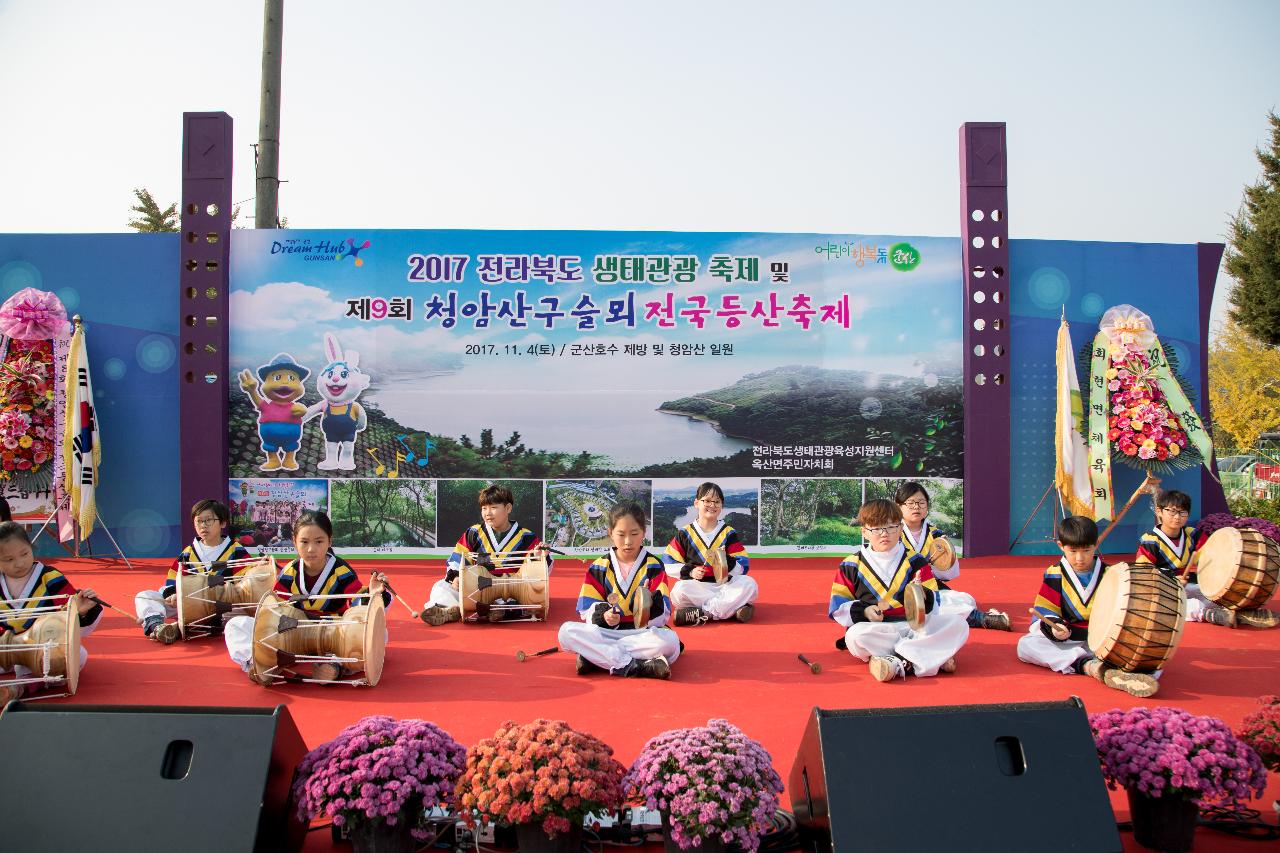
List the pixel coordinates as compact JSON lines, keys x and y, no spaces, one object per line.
{"x":339,"y":384}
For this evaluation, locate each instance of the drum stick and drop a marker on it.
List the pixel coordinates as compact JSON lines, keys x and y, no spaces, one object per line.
{"x":815,"y":668}
{"x":522,"y":656}
{"x":389,"y":588}
{"x":128,"y":616}
{"x":1052,"y":620}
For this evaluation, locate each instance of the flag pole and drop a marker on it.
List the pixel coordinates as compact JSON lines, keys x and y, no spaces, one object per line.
{"x":1148,"y":486}
{"x":80,"y":534}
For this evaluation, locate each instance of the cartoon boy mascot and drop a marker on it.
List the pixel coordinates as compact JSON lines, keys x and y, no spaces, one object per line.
{"x":279,"y":412}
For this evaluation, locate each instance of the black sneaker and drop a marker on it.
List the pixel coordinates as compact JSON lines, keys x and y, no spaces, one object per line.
{"x":585,"y":667}
{"x":655,"y":668}
{"x":691,"y":616}
{"x":996,"y":620}
{"x":631,"y":670}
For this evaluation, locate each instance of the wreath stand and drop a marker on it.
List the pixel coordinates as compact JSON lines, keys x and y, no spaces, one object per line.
{"x":80,"y":537}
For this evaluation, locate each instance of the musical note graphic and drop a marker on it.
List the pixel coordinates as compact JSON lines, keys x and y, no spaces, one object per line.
{"x":391,"y":475}
{"x":381,"y":469}
{"x":410,"y":456}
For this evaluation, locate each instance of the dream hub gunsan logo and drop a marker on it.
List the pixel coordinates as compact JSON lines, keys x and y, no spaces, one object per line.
{"x":321,"y":250}
{"x":353,"y":251}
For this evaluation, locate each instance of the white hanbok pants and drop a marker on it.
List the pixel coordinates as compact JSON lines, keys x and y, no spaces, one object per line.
{"x":955,"y":602}
{"x":1196,"y":603}
{"x":444,"y":595}
{"x":238,"y":634}
{"x":150,"y":602}
{"x":928,"y":649}
{"x":719,"y":600}
{"x":1034,"y":647}
{"x":610,"y":649}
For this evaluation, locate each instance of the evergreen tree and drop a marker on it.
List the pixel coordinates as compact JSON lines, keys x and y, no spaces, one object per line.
{"x":151,"y":218}
{"x":1253,"y":255}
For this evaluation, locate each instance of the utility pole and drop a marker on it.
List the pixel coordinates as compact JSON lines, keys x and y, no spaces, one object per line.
{"x":266,"y":207}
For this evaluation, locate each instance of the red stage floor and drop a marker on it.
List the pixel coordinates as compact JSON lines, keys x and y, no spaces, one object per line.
{"x":465,"y":678}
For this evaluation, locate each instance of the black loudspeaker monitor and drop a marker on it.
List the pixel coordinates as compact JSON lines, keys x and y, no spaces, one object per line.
{"x":130,"y":778}
{"x":1019,"y":776}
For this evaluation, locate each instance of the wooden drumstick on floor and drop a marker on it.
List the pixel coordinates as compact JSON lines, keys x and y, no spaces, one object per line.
{"x":815,"y":668}
{"x":522,"y":656}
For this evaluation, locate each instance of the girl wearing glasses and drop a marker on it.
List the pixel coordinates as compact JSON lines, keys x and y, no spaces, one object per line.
{"x":697,"y":596}
{"x":921,"y":537}
{"x":868,"y":599}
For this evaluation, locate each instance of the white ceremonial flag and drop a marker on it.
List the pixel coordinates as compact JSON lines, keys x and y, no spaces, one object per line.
{"x":1072,"y":473}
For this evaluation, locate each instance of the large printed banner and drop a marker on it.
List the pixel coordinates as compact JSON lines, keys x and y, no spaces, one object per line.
{"x":590,"y":366}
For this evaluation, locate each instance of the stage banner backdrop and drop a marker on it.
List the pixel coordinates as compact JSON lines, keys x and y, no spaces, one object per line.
{"x":407,"y":369}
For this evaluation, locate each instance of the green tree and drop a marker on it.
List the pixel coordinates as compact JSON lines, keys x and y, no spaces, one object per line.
{"x":1253,"y":254}
{"x":151,"y":219}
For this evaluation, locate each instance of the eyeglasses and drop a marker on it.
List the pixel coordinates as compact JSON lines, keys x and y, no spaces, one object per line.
{"x":1169,"y":511}
{"x":201,"y":522}
{"x":916,"y":504}
{"x":883,"y":531}
{"x":711,"y":502}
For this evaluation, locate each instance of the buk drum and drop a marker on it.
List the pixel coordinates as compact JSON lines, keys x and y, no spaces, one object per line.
{"x":1137,"y":617}
{"x":50,"y":649}
{"x":286,"y":638}
{"x":204,"y":598}
{"x":479,"y":588}
{"x":1238,"y":569}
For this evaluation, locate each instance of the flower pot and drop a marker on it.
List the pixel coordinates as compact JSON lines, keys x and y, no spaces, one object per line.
{"x":1167,"y":824}
{"x":709,"y":845}
{"x":378,"y":836}
{"x":531,"y":839}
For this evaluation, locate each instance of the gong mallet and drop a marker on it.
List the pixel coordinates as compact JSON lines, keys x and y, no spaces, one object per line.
{"x":815,"y":668}
{"x":522,"y":656}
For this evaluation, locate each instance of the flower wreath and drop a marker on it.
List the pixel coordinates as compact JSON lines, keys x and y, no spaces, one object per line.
{"x":1138,"y":410}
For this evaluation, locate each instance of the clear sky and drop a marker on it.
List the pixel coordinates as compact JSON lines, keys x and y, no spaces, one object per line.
{"x":1126,"y":121}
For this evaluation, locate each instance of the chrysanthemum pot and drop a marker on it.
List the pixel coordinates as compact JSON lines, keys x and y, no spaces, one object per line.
{"x":1167,"y":824}
{"x":532,"y":839}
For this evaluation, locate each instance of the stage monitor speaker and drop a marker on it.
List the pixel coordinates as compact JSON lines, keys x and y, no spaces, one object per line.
{"x":1019,"y":776}
{"x":129,"y":778}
